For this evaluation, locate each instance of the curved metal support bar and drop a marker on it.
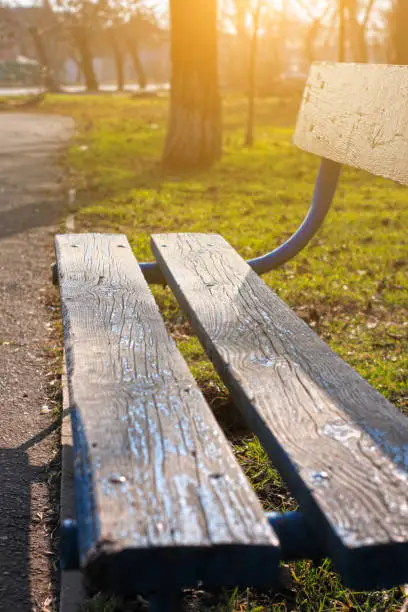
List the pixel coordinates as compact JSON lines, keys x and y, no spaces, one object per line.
{"x":324,"y":191}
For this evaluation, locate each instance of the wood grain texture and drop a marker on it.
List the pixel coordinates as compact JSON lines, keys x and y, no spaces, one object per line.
{"x":161,"y":501}
{"x":356,"y":114}
{"x":339,"y":444}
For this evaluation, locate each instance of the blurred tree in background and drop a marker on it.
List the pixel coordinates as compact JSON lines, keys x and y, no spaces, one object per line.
{"x":398,"y":32}
{"x":245,"y":47}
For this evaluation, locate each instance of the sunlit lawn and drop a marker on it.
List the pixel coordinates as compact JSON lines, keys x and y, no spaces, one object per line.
{"x":350,"y":285}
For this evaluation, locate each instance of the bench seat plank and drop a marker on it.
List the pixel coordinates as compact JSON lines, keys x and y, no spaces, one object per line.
{"x":161,"y":501}
{"x":340,"y":445}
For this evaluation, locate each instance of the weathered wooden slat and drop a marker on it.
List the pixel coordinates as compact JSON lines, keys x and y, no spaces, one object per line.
{"x":356,"y":114}
{"x":161,"y":501}
{"x":340,"y":445}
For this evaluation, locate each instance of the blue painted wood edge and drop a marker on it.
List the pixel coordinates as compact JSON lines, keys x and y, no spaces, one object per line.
{"x":297,"y":542}
{"x":296,"y":539}
{"x":69,"y":546}
{"x":88,"y":528}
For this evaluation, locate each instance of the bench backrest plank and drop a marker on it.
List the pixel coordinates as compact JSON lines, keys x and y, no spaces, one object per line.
{"x":339,"y":444}
{"x":161,"y":499}
{"x":357,"y":114}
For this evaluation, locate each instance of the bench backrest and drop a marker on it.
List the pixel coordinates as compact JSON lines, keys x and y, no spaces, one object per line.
{"x":357,"y":114}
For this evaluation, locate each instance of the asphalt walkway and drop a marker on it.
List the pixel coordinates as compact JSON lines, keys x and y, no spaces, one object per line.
{"x":31,"y":202}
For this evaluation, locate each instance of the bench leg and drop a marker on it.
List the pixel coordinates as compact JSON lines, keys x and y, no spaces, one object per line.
{"x":165,"y":602}
{"x":54,"y":274}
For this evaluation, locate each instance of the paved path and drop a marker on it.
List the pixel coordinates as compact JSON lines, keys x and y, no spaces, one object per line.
{"x":76,"y":89}
{"x":31,"y":202}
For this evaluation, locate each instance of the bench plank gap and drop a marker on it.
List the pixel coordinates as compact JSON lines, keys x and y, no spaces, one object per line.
{"x":161,"y":501}
{"x":341,"y":446}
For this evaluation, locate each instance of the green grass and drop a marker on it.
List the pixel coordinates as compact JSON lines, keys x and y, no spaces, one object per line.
{"x":350,"y":284}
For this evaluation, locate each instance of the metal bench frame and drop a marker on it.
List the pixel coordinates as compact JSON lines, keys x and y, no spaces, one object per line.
{"x":325,"y":189}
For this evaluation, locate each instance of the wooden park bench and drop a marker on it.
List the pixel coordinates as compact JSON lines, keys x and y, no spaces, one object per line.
{"x":161,"y":502}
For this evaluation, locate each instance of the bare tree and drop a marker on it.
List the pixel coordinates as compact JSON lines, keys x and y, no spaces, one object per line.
{"x":194,"y":131}
{"x":81,"y":20}
{"x":243,"y":43}
{"x":127,"y":26}
{"x":42,"y":26}
{"x":397,"y":32}
{"x":118,"y":55}
{"x":49,"y":79}
{"x":358,"y":19}
{"x":81,"y":36}
{"x":256,"y":18}
{"x":138,"y":30}
{"x":354,"y":17}
{"x":342,"y":31}
{"x":316,"y":22}
{"x":133,"y":48}
{"x":245,"y":18}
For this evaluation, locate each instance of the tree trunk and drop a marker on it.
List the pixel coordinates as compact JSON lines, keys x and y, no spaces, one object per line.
{"x":342,"y":31}
{"x":358,"y":40}
{"x":249,"y":140}
{"x":194,"y":131}
{"x":78,"y":75}
{"x":137,"y":64}
{"x":242,"y":45}
{"x":398,"y":33}
{"x":49,"y":81}
{"x":118,"y":58}
{"x":80,"y":34}
{"x":310,"y":40}
{"x":357,"y":32}
{"x":361,"y":50}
